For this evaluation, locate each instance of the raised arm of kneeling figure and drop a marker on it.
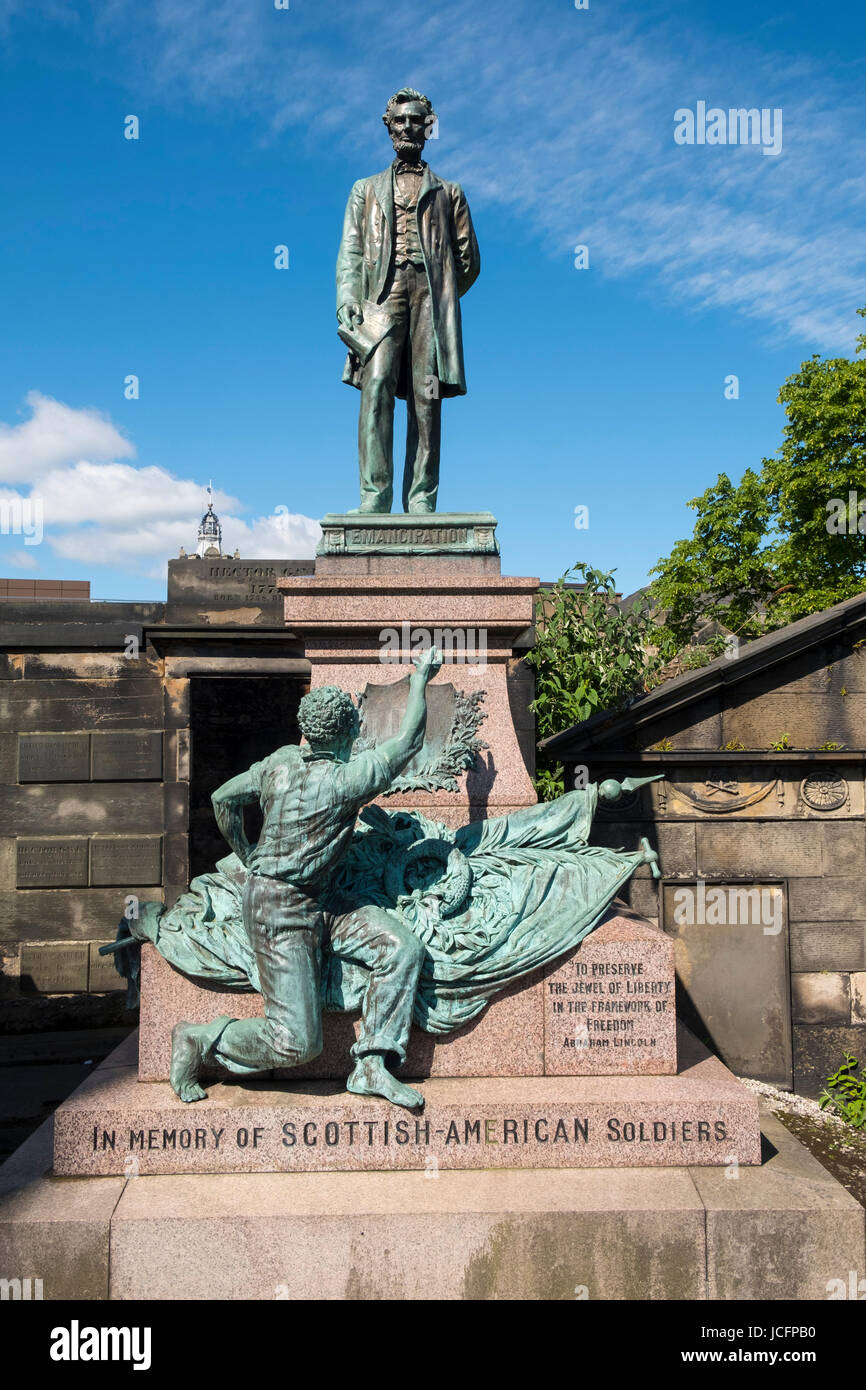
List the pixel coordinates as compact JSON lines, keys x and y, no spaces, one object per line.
{"x":403,"y":747}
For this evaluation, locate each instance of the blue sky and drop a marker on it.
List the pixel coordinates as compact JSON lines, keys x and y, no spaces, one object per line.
{"x":601,"y":387}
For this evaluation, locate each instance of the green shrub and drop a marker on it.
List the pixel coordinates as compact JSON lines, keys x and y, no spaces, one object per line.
{"x":591,"y":655}
{"x":845,"y":1092}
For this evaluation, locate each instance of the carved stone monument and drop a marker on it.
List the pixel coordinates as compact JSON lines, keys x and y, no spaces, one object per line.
{"x":371,"y":606}
{"x":414,"y":966}
{"x":408,"y":911}
{"x":544,"y":1027}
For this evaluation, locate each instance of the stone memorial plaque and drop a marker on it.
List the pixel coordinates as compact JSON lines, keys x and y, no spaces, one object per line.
{"x":125,"y":860}
{"x":54,"y":967}
{"x":610,"y":1006}
{"x":127,"y":756}
{"x":51,"y":863}
{"x":731,"y":943}
{"x":102,"y":976}
{"x":53,"y":757}
{"x":224,"y":583}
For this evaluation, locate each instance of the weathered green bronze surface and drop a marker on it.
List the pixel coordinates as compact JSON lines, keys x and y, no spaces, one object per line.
{"x":398,"y":916}
{"x":407,"y":254}
{"x":310,"y":798}
{"x":446,"y":533}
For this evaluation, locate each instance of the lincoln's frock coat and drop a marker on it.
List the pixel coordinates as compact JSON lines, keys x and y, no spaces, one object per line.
{"x":451,"y":258}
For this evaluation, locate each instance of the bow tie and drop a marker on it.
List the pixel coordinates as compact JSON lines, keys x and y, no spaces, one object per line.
{"x":401,"y":167}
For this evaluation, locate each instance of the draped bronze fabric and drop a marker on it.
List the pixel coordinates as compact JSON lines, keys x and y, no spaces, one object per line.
{"x":537,"y":889}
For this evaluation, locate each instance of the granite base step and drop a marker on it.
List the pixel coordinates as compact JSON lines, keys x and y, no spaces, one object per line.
{"x":783,"y":1230}
{"x":115,"y":1124}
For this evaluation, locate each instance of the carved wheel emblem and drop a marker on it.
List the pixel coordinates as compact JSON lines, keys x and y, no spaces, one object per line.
{"x":824,"y":791}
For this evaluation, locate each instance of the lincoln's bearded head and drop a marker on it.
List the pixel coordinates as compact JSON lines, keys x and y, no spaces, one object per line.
{"x":409,"y":117}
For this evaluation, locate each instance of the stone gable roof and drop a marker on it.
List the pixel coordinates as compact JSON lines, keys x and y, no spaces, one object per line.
{"x":723,"y":673}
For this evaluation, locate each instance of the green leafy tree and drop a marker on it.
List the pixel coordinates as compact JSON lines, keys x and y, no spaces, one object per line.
{"x":785,"y":541}
{"x":822,"y":460}
{"x":590,"y":655}
{"x":724,"y":571}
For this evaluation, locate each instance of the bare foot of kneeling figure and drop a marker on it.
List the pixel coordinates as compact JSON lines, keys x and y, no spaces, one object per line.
{"x":372,"y":1078}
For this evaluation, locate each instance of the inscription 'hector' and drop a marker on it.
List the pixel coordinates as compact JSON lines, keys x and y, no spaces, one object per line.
{"x":51,"y":863}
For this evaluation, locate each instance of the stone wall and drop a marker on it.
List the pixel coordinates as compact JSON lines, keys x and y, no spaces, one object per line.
{"x":790,"y":818}
{"x":815,"y":696}
{"x":91,"y":794}
{"x":96,"y":752}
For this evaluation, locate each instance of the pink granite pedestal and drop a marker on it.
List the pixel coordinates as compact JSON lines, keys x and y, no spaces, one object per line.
{"x":703,"y":1115}
{"x":343,"y":610}
{"x":604,"y":1009}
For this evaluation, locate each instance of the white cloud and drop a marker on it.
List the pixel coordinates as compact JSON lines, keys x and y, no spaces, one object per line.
{"x":112,"y":513}
{"x":281,"y":535}
{"x":121,"y":497}
{"x":142,"y":549}
{"x":146,"y":548}
{"x":56,"y":434}
{"x":20,"y":559}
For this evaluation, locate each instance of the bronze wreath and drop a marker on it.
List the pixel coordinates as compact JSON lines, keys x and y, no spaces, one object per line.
{"x":455,"y":885}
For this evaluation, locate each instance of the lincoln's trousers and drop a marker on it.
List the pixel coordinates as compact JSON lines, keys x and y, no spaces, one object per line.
{"x":407,"y":300}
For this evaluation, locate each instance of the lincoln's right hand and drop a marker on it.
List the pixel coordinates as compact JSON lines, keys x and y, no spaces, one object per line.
{"x":350,"y":315}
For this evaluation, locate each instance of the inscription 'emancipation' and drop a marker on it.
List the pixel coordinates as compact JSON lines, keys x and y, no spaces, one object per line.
{"x":414,"y":536}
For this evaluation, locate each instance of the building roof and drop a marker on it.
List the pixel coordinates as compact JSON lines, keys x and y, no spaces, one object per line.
{"x":723,"y":673}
